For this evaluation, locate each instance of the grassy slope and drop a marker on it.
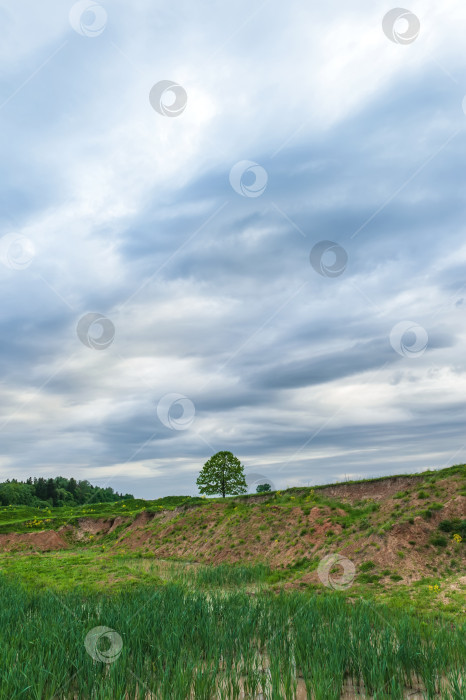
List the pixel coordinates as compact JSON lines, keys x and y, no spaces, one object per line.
{"x":26,"y":519}
{"x":389,"y":527}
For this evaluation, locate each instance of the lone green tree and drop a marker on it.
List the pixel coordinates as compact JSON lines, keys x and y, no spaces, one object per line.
{"x":263,"y":488}
{"x":223,"y":473}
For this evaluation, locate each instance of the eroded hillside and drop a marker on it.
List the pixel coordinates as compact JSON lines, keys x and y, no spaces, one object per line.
{"x":393,"y":529}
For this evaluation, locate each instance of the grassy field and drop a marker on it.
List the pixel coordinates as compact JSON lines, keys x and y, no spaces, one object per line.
{"x":221,"y":598}
{"x":91,"y":571}
{"x":169,"y":641}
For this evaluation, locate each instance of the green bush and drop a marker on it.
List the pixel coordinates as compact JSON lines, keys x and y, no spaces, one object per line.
{"x":439,"y":540}
{"x":368,"y":578}
{"x":455,"y":526}
{"x":436,"y":506}
{"x":367,"y":566}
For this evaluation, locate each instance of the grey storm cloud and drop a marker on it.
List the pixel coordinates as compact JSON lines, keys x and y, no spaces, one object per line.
{"x":133,"y":215}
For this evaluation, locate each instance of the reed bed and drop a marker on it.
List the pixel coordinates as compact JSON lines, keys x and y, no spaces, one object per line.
{"x":220,"y":576}
{"x":179,"y":643}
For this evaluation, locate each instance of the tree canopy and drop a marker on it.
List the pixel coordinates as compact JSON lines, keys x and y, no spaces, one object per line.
{"x":223,"y":473}
{"x":263,"y":488}
{"x":59,"y":491}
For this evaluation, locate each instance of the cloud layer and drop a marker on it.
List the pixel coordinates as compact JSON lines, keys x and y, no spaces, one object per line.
{"x":310,"y":366}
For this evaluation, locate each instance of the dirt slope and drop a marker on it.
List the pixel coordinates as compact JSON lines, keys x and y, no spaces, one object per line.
{"x":33,"y":541}
{"x":393,"y":523}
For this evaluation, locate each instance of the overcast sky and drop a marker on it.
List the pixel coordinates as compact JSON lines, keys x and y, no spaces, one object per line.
{"x":231,"y":226}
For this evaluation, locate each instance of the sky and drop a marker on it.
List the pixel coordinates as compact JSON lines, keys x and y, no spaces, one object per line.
{"x":231,"y":226}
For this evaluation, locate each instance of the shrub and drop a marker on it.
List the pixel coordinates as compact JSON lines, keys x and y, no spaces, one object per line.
{"x":455,"y":525}
{"x":367,"y":565}
{"x":263,"y":488}
{"x":436,"y":506}
{"x":368,"y":578}
{"x":438,"y":540}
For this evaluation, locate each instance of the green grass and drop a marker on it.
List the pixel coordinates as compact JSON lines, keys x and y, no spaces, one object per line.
{"x":85,"y":571}
{"x":172,"y":642}
{"x":94,"y":570}
{"x":225,"y":575}
{"x":24,"y":519}
{"x":188,"y":627}
{"x":206,"y":630}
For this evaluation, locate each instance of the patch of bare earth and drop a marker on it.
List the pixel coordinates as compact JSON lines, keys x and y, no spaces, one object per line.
{"x":281,"y":535}
{"x":33,"y":541}
{"x":219,"y":532}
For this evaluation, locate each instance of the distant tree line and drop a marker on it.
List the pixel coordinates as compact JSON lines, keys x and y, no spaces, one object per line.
{"x":55,"y":492}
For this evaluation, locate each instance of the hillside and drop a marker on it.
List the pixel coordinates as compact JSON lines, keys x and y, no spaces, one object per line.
{"x":240,"y":597}
{"x":397,"y":531}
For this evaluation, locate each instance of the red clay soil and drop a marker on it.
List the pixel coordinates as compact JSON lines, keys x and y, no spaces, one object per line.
{"x":219,"y":532}
{"x":281,"y":536}
{"x":376,"y":490}
{"x":93,"y":526}
{"x":33,"y":541}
